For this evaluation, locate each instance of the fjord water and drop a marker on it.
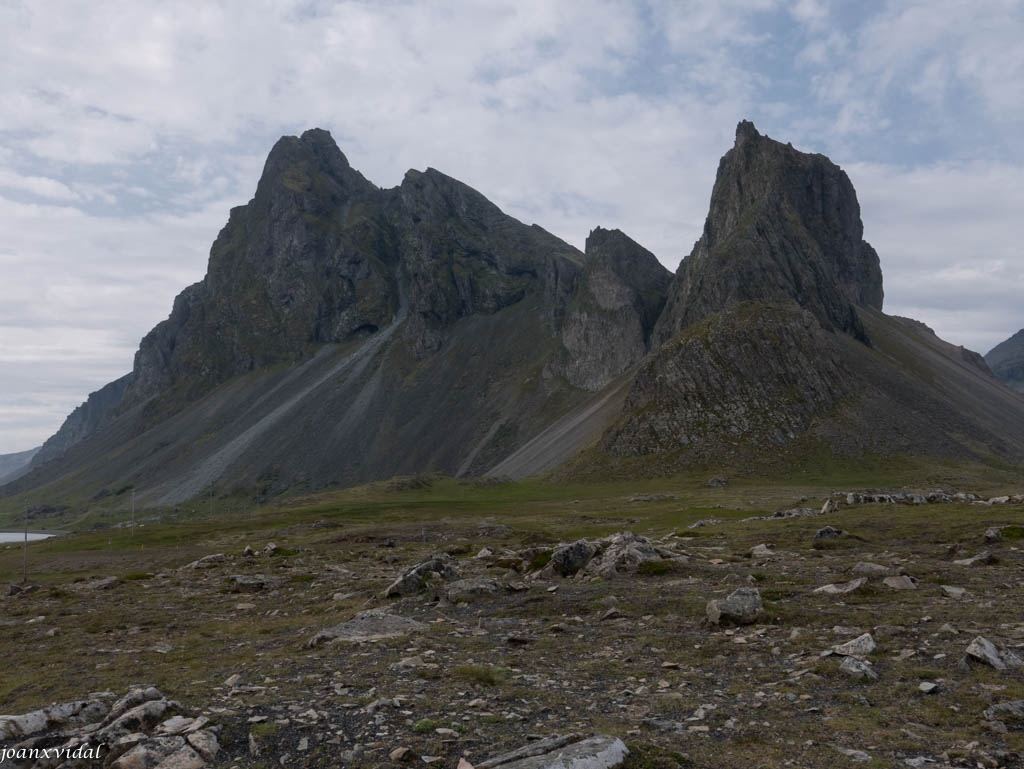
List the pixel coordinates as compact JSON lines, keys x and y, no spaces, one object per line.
{"x":19,"y":536}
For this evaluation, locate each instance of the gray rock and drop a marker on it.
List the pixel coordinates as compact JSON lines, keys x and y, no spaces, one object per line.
{"x":951,"y":591}
{"x":471,"y":589}
{"x":621,"y":553}
{"x":902,"y":582}
{"x":981,"y":559}
{"x":254,"y":583}
{"x":206,"y":562}
{"x":860,"y":646}
{"x":1010,"y":713}
{"x":370,"y":625}
{"x":416,"y":578}
{"x":842,"y":588}
{"x":861,"y":670}
{"x":828,"y":532}
{"x":761,"y":551}
{"x":993,"y":534}
{"x":983,"y":650}
{"x":566,"y":560}
{"x":854,"y":755}
{"x":716,"y":483}
{"x":598,"y":752}
{"x":741,"y":607}
{"x":870,"y":570}
{"x":55,"y":717}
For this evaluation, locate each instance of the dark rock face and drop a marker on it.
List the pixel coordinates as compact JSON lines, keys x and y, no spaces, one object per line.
{"x":1006,"y":360}
{"x":461,"y":255}
{"x":608,"y":324}
{"x":84,"y":420}
{"x":783,"y":225}
{"x":754,"y":375}
{"x":305,"y":262}
{"x":321,"y":255}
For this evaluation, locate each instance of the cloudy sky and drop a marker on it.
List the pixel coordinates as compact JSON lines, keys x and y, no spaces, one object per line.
{"x":129,"y":129}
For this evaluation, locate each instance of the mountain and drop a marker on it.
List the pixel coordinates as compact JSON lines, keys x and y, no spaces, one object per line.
{"x":15,"y":465}
{"x":345,"y":333}
{"x":1006,"y":360}
{"x":773,"y":339}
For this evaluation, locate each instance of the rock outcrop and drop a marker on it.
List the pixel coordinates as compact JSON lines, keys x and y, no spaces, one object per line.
{"x":609,"y":322}
{"x":783,"y":225}
{"x":141,"y":730}
{"x":744,"y":379}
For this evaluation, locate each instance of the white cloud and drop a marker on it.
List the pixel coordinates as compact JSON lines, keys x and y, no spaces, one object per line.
{"x":129,"y":130}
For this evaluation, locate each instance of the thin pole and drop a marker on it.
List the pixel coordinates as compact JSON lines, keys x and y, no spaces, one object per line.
{"x":24,"y":565}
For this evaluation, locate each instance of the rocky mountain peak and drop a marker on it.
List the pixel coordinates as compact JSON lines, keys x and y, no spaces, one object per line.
{"x":782,"y":224}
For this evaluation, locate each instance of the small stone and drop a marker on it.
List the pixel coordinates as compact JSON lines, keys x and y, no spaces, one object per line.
{"x":741,"y":607}
{"x":858,"y":669}
{"x":854,"y":755}
{"x":860,"y":646}
{"x":983,"y":650}
{"x":761,"y":551}
{"x":981,"y":559}
{"x":902,"y":582}
{"x":870,"y":570}
{"x":956,"y":593}
{"x":233,"y":680}
{"x":444,"y":732}
{"x":842,"y":588}
{"x":828,"y":532}
{"x":928,"y":687}
{"x":400,"y":754}
{"x":204,"y":743}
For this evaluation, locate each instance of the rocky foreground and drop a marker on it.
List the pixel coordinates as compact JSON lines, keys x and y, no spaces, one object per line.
{"x":827,"y":636}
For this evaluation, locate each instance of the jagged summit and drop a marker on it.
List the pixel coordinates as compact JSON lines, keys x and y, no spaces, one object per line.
{"x":782,"y":225}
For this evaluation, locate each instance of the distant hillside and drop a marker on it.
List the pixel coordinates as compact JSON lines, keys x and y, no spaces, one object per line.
{"x":13,"y":465}
{"x":1006,"y":360}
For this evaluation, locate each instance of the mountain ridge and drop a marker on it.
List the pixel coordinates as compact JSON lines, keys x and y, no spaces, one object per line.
{"x":346,"y":333}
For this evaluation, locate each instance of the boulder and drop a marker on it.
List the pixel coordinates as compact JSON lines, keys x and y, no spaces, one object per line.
{"x":981,"y":559}
{"x":861,"y":646}
{"x":254,"y":583}
{"x":858,"y":669}
{"x":568,"y":752}
{"x":842,"y":588}
{"x":902,"y":582}
{"x":870,"y":570}
{"x":1010,"y":713}
{"x":566,"y":560}
{"x":741,"y":607}
{"x":983,"y":650}
{"x":369,"y":625}
{"x":415,"y":579}
{"x":621,"y":553}
{"x":471,"y":589}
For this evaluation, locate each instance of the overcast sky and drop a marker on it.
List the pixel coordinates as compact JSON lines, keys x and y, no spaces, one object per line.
{"x":129,"y":129}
